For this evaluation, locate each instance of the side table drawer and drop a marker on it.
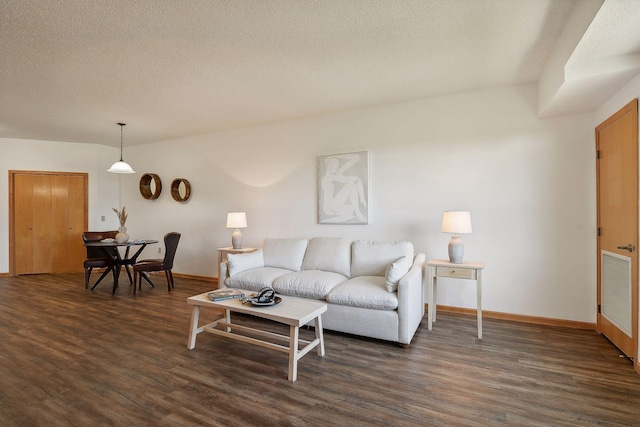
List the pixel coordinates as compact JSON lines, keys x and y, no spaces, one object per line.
{"x":458,"y":273}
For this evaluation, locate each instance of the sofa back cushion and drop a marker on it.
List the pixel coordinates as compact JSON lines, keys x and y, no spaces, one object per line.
{"x":329,"y":254}
{"x":284,"y":253}
{"x":369,"y":258}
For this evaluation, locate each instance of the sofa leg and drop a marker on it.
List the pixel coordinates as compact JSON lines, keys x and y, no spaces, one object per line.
{"x":404,"y":345}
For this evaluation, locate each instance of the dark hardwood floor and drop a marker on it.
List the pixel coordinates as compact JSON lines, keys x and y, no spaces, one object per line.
{"x":72,"y":357}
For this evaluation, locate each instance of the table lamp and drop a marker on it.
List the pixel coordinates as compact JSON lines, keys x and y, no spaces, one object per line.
{"x":456,"y":222}
{"x":236,"y":220}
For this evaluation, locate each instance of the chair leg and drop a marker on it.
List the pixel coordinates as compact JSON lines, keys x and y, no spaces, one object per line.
{"x":168,"y":274}
{"x":145,"y":276}
{"x":87,"y":274}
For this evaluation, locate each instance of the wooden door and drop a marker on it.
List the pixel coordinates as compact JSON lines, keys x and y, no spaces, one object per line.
{"x":48,"y":213}
{"x":617,"y":204}
{"x":22,"y":225}
{"x":41,"y":224}
{"x":77,"y":205}
{"x":67,"y":223}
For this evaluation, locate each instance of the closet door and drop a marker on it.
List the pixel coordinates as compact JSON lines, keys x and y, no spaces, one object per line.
{"x":59,"y":224}
{"x":49,"y":216}
{"x":67,"y":223}
{"x":77,"y":205}
{"x":22,"y":224}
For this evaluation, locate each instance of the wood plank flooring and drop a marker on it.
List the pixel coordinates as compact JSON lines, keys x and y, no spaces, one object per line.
{"x":73,"y":357}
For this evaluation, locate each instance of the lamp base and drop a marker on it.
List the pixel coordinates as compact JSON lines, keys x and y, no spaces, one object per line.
{"x":456,"y":250}
{"x":236,"y":239}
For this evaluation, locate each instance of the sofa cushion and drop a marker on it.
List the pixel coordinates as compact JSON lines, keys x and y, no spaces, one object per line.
{"x":395,"y":271}
{"x":370,"y":258}
{"x":238,"y":263}
{"x":308,"y":283}
{"x":365,"y":292}
{"x":328,"y":254}
{"x":284,"y":253}
{"x":256,"y":278}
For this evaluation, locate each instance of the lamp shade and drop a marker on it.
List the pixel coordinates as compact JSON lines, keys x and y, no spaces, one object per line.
{"x":236,"y":220}
{"x":456,"y":222}
{"x":121,"y":167}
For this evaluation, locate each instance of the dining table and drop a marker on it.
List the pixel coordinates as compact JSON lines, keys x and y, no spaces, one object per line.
{"x":118,"y":259}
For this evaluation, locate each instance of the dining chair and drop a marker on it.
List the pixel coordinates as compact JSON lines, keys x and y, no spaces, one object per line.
{"x":142,"y":267}
{"x":96,"y":257}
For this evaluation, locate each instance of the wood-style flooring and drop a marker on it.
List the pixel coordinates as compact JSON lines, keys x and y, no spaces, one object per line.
{"x":73,"y":357}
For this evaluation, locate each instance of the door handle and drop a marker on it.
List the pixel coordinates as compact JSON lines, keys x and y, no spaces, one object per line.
{"x":629,"y":247}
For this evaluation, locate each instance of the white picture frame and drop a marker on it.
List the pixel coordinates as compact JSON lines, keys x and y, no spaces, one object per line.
{"x":343,"y":188}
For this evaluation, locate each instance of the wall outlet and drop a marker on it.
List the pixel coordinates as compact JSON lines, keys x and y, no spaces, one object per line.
{"x":102,"y":218}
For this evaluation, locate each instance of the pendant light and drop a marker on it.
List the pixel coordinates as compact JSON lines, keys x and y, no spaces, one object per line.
{"x":121,"y":166}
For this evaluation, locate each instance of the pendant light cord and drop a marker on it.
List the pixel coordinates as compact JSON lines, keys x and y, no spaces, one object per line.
{"x":122,"y":125}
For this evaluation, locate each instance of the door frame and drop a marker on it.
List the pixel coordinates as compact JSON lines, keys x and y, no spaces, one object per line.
{"x":12,"y":237}
{"x":633,"y":108}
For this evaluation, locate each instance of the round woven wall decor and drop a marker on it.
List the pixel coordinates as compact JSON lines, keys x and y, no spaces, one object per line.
{"x":146,"y":189}
{"x":180,"y":190}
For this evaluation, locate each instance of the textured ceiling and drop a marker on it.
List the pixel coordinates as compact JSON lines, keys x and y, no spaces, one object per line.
{"x":70,"y":70}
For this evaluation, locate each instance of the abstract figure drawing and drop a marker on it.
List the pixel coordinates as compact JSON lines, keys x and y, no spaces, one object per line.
{"x":343,"y":190}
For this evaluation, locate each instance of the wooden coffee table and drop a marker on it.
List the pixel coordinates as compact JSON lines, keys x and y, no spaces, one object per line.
{"x":292,"y":311}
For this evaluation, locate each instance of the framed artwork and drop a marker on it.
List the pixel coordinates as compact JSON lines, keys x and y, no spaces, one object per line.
{"x":343,"y":188}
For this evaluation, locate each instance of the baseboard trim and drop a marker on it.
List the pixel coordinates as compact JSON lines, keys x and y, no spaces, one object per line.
{"x":518,"y":317}
{"x":183,"y":275}
{"x":195,"y":277}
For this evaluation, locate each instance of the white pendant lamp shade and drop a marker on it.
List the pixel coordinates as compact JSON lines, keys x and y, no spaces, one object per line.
{"x":121,"y":166}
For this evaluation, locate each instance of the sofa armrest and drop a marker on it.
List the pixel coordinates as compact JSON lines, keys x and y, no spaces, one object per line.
{"x":411,"y":299}
{"x":223,"y":273}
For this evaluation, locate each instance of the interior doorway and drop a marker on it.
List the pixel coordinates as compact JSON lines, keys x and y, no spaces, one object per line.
{"x":617,"y":206}
{"x":47,"y":215}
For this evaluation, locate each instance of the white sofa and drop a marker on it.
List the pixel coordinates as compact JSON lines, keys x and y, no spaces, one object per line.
{"x":373,"y":289}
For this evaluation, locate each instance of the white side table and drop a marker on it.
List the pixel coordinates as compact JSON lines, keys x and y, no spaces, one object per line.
{"x":444,"y":268}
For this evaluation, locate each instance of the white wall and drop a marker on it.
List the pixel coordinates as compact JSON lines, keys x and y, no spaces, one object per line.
{"x":529,"y":184}
{"x":21,"y":154}
{"x":625,"y":95}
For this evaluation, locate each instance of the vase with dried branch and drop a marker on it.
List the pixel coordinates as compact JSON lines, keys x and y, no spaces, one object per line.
{"x":122,"y":236}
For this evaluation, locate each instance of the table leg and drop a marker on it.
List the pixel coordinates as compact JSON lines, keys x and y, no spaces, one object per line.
{"x":479,"y":290}
{"x":320,"y":336}
{"x":117,"y":263}
{"x":431,"y":316}
{"x":116,"y":277}
{"x":193,"y":331}
{"x":126,"y":261}
{"x":227,"y":316}
{"x":126,"y":264}
{"x":293,"y":352}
